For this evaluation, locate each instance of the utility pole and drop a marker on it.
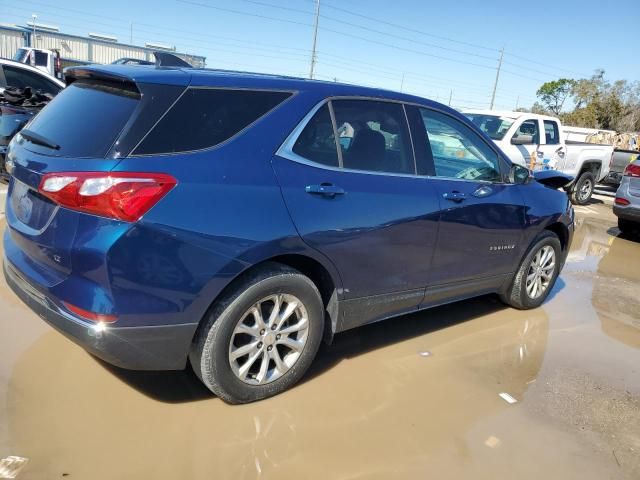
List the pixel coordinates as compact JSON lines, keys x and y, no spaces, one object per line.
{"x":34,"y":17}
{"x":450,"y":95}
{"x":402,"y":81}
{"x":315,"y":40}
{"x":517,"y":103}
{"x":131,"y":33}
{"x":495,"y":85}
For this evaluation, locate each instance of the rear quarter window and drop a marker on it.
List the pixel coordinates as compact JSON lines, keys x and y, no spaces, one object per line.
{"x":205,"y":117}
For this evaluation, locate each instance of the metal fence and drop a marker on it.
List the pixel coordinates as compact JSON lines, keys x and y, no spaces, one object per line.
{"x":77,"y":48}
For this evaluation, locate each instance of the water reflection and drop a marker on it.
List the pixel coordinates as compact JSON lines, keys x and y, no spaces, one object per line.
{"x":373,"y":404}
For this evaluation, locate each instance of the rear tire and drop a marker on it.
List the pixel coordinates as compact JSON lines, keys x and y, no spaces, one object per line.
{"x":583,"y":189}
{"x":277,"y":354}
{"x":536,"y":269}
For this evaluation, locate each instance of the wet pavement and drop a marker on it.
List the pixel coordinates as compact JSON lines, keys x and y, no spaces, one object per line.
{"x":415,"y":397}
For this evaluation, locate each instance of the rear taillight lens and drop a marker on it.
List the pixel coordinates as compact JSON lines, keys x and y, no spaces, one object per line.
{"x":123,"y":196}
{"x":92,"y":316}
{"x":621,"y":201}
{"x":632,"y":170}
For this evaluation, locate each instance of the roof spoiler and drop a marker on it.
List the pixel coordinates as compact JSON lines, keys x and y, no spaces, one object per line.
{"x":164,"y":59}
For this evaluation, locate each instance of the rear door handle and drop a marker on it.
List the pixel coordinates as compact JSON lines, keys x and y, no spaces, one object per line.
{"x":454,"y":196}
{"x":326,"y":189}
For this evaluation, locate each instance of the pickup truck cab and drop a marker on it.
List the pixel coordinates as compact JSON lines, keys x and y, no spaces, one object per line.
{"x":537,"y":142}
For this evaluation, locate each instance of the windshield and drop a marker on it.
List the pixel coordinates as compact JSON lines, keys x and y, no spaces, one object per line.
{"x":21,"y":55}
{"x":494,"y":126}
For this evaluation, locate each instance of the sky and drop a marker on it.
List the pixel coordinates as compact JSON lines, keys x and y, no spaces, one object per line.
{"x":433,"y":49}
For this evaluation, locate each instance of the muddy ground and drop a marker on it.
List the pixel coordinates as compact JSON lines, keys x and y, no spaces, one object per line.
{"x":414,"y":397}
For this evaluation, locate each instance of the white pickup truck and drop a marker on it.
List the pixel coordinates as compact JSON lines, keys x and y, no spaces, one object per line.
{"x":536,"y":142}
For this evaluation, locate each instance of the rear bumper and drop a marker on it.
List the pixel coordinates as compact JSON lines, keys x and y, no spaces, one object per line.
{"x":135,"y":348}
{"x":627,"y":213}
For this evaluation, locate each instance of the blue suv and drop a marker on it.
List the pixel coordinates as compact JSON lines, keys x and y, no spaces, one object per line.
{"x":165,"y":216}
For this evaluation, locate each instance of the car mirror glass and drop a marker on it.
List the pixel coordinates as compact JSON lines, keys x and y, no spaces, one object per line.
{"x":522,"y":140}
{"x":519,"y":174}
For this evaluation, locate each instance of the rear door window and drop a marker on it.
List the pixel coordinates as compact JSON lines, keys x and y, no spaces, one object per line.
{"x":84,"y":119}
{"x":373,"y":136}
{"x":205,"y":117}
{"x":551,"y":133}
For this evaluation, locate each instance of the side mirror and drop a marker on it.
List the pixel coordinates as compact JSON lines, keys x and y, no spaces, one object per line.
{"x":522,"y":140}
{"x":520,"y":175}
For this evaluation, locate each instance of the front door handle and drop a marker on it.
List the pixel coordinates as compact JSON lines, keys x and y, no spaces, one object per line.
{"x":326,"y":189}
{"x":454,"y":196}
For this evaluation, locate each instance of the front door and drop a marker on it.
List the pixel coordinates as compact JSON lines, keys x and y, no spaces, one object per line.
{"x":482,"y":217}
{"x":353,"y":193}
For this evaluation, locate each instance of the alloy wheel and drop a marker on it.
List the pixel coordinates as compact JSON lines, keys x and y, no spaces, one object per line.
{"x":585,"y":190}
{"x":540,"y":272}
{"x":269,"y":339}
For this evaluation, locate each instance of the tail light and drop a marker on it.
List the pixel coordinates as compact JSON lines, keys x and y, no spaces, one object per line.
{"x":123,"y":196}
{"x":92,"y":316}
{"x":621,"y":201}
{"x":632,"y":170}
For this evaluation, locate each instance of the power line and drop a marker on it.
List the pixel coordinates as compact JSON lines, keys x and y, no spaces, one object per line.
{"x":495,"y":85}
{"x":162,"y":29}
{"x":315,"y":39}
{"x":404,"y":27}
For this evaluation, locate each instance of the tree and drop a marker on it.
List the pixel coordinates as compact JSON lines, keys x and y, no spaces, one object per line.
{"x":553,"y":94}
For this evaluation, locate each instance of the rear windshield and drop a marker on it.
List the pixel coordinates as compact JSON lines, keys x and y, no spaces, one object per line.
{"x":84,"y":120}
{"x":205,"y":117}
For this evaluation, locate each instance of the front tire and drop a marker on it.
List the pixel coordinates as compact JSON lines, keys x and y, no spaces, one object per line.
{"x":583,"y":189}
{"x":261,"y":338}
{"x":537,"y":273}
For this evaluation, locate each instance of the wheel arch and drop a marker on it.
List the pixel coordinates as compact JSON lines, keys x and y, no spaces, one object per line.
{"x":561,"y":230}
{"x":594,"y":166}
{"x":324,"y":277}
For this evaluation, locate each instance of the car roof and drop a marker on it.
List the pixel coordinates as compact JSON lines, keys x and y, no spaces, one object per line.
{"x":24,"y":66}
{"x":508,"y":114}
{"x":205,"y":77}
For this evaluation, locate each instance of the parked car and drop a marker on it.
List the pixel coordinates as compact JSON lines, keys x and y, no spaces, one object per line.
{"x":627,"y":203}
{"x":30,"y":90}
{"x":235,"y":220}
{"x":620,"y":160}
{"x":536,"y":141}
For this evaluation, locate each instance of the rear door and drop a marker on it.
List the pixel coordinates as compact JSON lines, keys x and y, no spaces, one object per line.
{"x":362,"y":205}
{"x":482,"y":217}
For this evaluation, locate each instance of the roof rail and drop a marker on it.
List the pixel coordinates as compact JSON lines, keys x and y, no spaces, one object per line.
{"x":164,"y":59}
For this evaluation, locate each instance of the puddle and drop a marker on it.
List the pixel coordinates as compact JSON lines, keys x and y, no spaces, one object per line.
{"x":415,"y":396}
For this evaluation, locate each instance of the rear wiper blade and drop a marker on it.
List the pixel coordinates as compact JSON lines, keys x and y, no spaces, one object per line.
{"x":39,"y":139}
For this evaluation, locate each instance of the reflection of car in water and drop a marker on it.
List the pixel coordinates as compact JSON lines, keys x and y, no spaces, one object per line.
{"x":615,"y":292}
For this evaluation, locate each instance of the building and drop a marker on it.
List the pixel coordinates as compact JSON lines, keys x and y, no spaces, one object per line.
{"x":95,"y":48}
